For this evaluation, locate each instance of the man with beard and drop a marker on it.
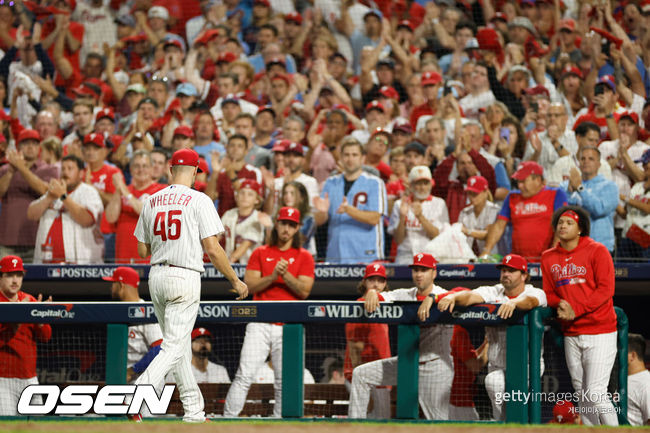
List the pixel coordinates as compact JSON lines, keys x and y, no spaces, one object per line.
{"x":144,"y":340}
{"x":206,"y":371}
{"x":513,"y":293}
{"x":69,"y":214}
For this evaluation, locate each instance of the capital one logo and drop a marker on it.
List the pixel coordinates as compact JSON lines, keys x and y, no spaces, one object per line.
{"x":80,"y":399}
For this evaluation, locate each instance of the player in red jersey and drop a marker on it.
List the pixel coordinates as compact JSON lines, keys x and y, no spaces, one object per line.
{"x":578,"y":278}
{"x":125,"y":206}
{"x":17,"y":340}
{"x":279,"y":271}
{"x":369,"y":341}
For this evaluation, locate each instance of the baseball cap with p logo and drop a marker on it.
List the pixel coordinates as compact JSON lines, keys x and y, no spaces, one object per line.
{"x":476,"y":184}
{"x":124,"y":275}
{"x":11,"y":264}
{"x":515,"y":262}
{"x":186,"y":157}
{"x":424,"y":260}
{"x":200,"y":332}
{"x":375,"y":270}
{"x":289,"y":214}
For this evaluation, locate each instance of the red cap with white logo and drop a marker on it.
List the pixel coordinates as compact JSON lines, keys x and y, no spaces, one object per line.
{"x":200,"y":332}
{"x":375,"y":270}
{"x":11,"y":264}
{"x":186,"y":157}
{"x":289,"y":214}
{"x":476,"y":184}
{"x":252,"y":184}
{"x":515,"y":262}
{"x":424,"y":260}
{"x":125,"y":275}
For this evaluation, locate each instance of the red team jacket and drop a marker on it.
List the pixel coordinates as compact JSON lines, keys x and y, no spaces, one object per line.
{"x":584,"y":277}
{"x":18,"y":344}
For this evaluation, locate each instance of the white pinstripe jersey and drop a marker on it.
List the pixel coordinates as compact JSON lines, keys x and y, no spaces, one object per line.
{"x":174,"y":221}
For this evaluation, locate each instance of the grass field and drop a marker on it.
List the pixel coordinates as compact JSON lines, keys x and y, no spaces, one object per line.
{"x":279,"y":426}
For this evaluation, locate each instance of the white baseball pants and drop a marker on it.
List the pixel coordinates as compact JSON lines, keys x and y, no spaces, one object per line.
{"x":10,"y":390}
{"x":434,"y":386}
{"x":175,"y":293}
{"x":260,"y":340}
{"x":495,"y":385}
{"x":590,"y":359}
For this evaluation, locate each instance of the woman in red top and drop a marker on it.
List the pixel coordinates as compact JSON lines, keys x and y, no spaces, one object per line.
{"x":369,"y":341}
{"x":578,"y":277}
{"x":125,"y":206}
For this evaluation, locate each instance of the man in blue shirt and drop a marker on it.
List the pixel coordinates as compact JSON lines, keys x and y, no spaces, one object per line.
{"x":595,"y":194}
{"x":353,"y":202}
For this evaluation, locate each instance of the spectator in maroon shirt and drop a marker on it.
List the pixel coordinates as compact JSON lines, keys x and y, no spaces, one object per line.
{"x":22,"y":180}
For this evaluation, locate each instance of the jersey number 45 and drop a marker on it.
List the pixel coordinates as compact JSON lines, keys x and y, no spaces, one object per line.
{"x":167,"y":225}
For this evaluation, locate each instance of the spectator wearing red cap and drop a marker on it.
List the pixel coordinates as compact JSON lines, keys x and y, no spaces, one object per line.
{"x":144,"y":340}
{"x":68,"y":215}
{"x":245,"y":224}
{"x":221,"y":183}
{"x":376,"y":150}
{"x":279,"y":271}
{"x":556,"y":141}
{"x":528,"y":210}
{"x":480,"y":95}
{"x":512,"y":293}
{"x":25,"y":177}
{"x":436,"y":369}
{"x":105,"y":121}
{"x":480,"y":214}
{"x":182,"y":138}
{"x":98,"y":173}
{"x":123,"y":209}
{"x":386,"y":75}
{"x":204,"y":370}
{"x":418,"y":218}
{"x":567,"y":49}
{"x":430,"y":82}
{"x":366,"y":342}
{"x":18,"y":340}
{"x":564,"y":412}
{"x":638,"y":379}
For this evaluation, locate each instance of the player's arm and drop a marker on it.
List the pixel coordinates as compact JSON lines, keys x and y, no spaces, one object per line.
{"x":144,"y":250}
{"x":240,"y":251}
{"x":461,"y":299}
{"x":219,"y":259}
{"x":525,"y":304}
{"x":79,"y":214}
{"x":256,"y":282}
{"x":356,"y":347}
{"x":300,"y":286}
{"x":363,"y":216}
{"x":603,"y":271}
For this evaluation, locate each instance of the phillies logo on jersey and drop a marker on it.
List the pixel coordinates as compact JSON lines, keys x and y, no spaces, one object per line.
{"x":359,"y":198}
{"x":101,"y":182}
{"x":530,"y":208}
{"x":569,"y":270}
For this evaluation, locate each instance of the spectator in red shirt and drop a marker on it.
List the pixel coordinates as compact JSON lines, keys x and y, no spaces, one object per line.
{"x":430,"y":83}
{"x":24,"y":179}
{"x":18,"y":340}
{"x":376,"y":151}
{"x":62,"y":38}
{"x":125,"y":206}
{"x":99,"y":173}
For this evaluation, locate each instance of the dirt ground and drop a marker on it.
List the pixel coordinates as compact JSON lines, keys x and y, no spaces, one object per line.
{"x":275,"y":427}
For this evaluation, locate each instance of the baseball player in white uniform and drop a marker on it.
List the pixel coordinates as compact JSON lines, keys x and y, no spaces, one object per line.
{"x":176,"y":225}
{"x":145,"y":339}
{"x":638,"y":382}
{"x":512,"y":293}
{"x":205,"y":371}
{"x":436,"y":369}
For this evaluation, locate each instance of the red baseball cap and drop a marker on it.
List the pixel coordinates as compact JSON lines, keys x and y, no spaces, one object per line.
{"x":293,"y":147}
{"x":125,"y":275}
{"x":289,"y":214}
{"x":203,"y":166}
{"x":105,"y":112}
{"x":186,"y":157}
{"x":527,"y":168}
{"x":406,"y":23}
{"x":375,"y":105}
{"x":375,"y":270}
{"x":293,"y":16}
{"x":28,"y":134}
{"x":280,"y":146}
{"x":200,"y":332}
{"x":515,"y":262}
{"x":226,"y":57}
{"x":184,"y":130}
{"x":499,"y":16}
{"x":537,"y":90}
{"x":11,"y":264}
{"x":389,"y":92}
{"x":207,"y":36}
{"x":431,"y":78}
{"x":630,"y":115}
{"x":476,"y":184}
{"x":564,"y":412}
{"x":266,"y":3}
{"x":424,"y":260}
{"x":571,"y":70}
{"x":406,"y":128}
{"x":568,"y":24}
{"x":253,"y":185}
{"x":96,"y":139}
{"x":283,"y":77}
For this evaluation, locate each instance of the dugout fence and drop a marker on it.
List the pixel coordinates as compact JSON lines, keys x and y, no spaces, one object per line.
{"x":100,"y":329}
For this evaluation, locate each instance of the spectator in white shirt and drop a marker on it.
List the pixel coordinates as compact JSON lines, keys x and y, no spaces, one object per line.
{"x":638,"y":382}
{"x":480,"y":95}
{"x":557,"y":141}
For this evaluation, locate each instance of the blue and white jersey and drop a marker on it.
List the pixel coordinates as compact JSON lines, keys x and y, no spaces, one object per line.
{"x":348,"y":240}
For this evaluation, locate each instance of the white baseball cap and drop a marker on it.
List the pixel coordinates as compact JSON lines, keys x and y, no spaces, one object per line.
{"x":420,"y":172}
{"x":158,"y":12}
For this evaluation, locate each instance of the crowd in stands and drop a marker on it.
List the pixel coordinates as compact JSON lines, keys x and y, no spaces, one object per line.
{"x":383,"y":122}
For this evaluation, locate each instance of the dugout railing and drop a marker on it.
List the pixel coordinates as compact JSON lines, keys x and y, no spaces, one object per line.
{"x":524,"y":340}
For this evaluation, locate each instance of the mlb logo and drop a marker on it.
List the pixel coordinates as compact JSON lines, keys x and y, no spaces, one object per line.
{"x":137,"y":313}
{"x":54,"y":272}
{"x":316,"y":311}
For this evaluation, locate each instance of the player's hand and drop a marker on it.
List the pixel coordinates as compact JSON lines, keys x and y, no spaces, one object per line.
{"x":40,"y":298}
{"x":505,"y":310}
{"x":281,"y":267}
{"x":372,"y":301}
{"x":565,"y":311}
{"x":130,"y":374}
{"x":343,"y":208}
{"x":425,"y":307}
{"x":241,"y":288}
{"x":447,"y":303}
{"x":322,"y":204}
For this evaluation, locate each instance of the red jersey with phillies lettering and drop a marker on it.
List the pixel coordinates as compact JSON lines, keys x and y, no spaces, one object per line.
{"x":584,"y":277}
{"x":531,"y":220}
{"x":374,"y":336}
{"x":266,"y":257}
{"x":18,"y":344}
{"x":126,"y":245}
